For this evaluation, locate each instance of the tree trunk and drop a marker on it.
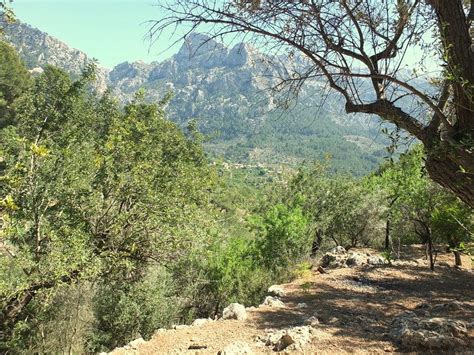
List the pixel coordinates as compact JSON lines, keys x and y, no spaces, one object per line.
{"x":15,"y":306}
{"x":430,"y":251}
{"x":450,"y":160}
{"x":451,"y":174}
{"x":316,"y":243}
{"x":457,"y":258}
{"x":387,"y":235}
{"x":454,"y":30}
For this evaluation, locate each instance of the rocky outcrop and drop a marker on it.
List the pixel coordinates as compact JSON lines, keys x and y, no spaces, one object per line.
{"x":288,"y":339}
{"x":338,"y":257}
{"x":411,"y":331}
{"x":274,"y":302}
{"x":276,"y":290}
{"x":38,"y":49}
{"x":234,"y":311}
{"x":438,"y":326}
{"x":200,"y":322}
{"x":209,"y":81}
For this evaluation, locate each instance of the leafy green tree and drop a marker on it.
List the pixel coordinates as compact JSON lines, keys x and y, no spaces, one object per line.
{"x":91,"y":192}
{"x":453,"y":222}
{"x":126,"y":310}
{"x":14,"y":81}
{"x":282,"y":236}
{"x":422,"y":206}
{"x":341,"y":209}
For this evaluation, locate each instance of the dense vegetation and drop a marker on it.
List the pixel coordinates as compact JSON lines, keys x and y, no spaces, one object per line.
{"x":292,"y":137}
{"x":114,"y":222}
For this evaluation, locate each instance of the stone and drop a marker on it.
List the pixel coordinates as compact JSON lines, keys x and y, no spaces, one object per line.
{"x":301,"y":305}
{"x":200,"y":322}
{"x":414,"y":332}
{"x":333,"y":260}
{"x":338,"y":250}
{"x":289,"y":339}
{"x":180,"y":326}
{"x":276,"y":290}
{"x":236,"y":348}
{"x":321,"y":270}
{"x":376,"y":260}
{"x":312,"y":321}
{"x":197,"y":347}
{"x":448,"y":307}
{"x":355,"y":259}
{"x":274,"y":302}
{"x":234,"y":311}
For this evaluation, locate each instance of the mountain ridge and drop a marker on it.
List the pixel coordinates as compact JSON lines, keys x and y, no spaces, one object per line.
{"x":226,"y":90}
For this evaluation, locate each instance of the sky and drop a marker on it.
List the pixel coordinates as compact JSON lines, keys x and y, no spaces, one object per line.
{"x":112,"y":31}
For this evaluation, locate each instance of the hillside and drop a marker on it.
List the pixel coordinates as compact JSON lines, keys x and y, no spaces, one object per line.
{"x":358,"y":309}
{"x":227,"y":91}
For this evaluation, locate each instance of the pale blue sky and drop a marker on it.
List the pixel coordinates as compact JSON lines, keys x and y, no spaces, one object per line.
{"x":112,"y":31}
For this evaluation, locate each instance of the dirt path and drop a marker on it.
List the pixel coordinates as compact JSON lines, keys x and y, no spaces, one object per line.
{"x":354,"y":307}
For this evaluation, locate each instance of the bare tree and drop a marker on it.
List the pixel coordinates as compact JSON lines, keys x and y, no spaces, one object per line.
{"x":366,"y":44}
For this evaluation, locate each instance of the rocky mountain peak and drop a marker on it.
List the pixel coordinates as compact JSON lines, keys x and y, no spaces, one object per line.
{"x":201,"y":49}
{"x":241,"y":54}
{"x":38,"y":49}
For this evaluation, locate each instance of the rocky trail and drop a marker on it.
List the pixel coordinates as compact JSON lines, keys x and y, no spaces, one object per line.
{"x":357,"y":303}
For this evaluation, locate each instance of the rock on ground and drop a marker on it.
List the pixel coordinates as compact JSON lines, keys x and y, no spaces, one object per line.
{"x":237,"y":348}
{"x":273,"y":302}
{"x":234,"y":311}
{"x":338,"y":257}
{"x":288,"y":339}
{"x":200,"y":321}
{"x":356,"y":259}
{"x":338,"y":250}
{"x":414,"y":332}
{"x":276,"y":290}
{"x":312,"y":321}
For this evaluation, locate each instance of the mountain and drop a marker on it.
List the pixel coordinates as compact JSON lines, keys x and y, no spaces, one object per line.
{"x":227,"y":91}
{"x":38,"y":49}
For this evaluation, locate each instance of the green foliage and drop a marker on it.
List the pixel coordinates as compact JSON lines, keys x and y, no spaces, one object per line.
{"x":129,"y":310}
{"x":14,"y":80}
{"x":234,"y":274}
{"x":91,"y":192}
{"x":418,"y":210}
{"x":114,"y":224}
{"x":453,"y":223}
{"x":282,"y":236}
{"x":419,"y":203}
{"x":387,"y":255}
{"x":341,"y":209}
{"x":292,"y":138}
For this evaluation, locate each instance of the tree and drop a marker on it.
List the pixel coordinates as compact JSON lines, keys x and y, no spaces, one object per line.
{"x":417,"y":204}
{"x":361,"y":47}
{"x":342,"y":209}
{"x":14,"y":81}
{"x":91,"y":192}
{"x":453,"y":223}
